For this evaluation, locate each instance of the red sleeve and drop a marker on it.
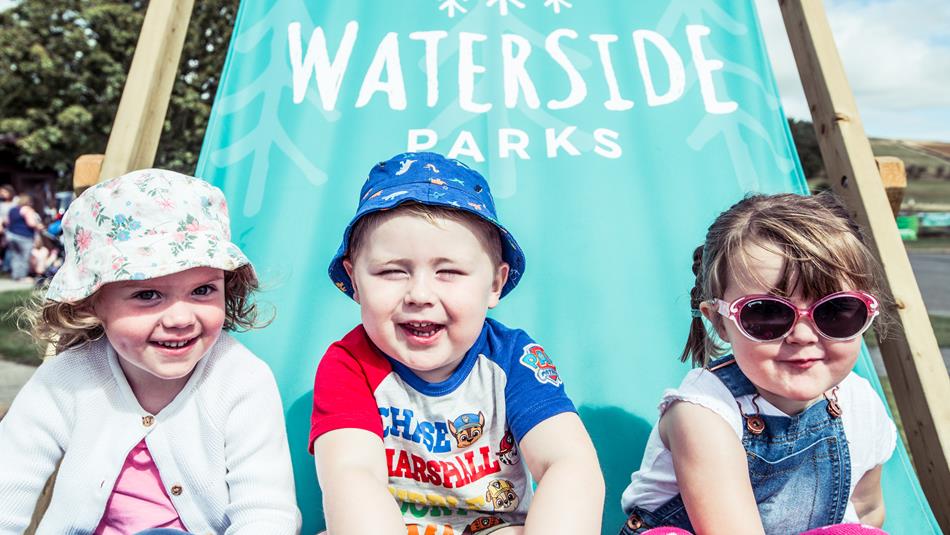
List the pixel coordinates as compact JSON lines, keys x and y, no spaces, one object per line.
{"x":343,"y":387}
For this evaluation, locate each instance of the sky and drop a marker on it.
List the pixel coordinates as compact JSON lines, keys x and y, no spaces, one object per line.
{"x":896,"y":55}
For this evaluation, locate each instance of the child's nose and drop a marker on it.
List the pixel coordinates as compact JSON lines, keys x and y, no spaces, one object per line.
{"x":419,"y":291}
{"x":803,"y":332}
{"x":177,"y":315}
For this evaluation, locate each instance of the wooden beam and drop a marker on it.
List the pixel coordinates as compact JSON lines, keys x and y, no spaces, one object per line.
{"x":133,"y":141}
{"x":894,"y":180}
{"x":914,"y":365}
{"x":86,"y":172}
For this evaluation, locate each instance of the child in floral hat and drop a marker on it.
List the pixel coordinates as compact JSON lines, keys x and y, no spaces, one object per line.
{"x":156,"y":418}
{"x":428,"y":416}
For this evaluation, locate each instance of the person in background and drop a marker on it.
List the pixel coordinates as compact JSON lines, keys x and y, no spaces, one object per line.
{"x":22,"y":224}
{"x":7,"y":195}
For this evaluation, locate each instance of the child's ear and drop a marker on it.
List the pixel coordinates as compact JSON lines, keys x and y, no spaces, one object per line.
{"x":348,"y":266}
{"x":708,"y":308}
{"x":498,"y":283}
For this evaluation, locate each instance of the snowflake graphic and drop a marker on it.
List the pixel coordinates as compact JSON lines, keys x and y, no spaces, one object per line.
{"x":503,"y":5}
{"x":556,"y":5}
{"x":451,"y":6}
{"x":269,"y":133}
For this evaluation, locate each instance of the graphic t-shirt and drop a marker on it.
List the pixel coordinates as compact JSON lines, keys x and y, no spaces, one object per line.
{"x":451,"y":447}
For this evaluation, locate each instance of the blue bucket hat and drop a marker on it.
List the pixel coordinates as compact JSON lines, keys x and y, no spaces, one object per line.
{"x":431,"y":179}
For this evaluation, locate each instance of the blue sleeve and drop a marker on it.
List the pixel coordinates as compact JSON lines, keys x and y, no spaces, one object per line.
{"x":534,"y":391}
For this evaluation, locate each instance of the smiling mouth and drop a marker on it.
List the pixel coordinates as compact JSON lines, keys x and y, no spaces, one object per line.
{"x":171,"y":344}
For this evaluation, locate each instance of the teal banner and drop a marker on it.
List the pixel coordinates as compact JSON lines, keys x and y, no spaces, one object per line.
{"x":611,"y":133}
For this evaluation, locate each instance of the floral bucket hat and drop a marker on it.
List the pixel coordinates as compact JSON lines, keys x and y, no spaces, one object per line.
{"x":432,"y":179}
{"x":142,"y":225}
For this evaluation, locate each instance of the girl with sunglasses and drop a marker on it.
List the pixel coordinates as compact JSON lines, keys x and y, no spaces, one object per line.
{"x":779,"y":436}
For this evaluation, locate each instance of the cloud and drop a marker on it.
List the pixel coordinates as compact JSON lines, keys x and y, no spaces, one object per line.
{"x":896,"y":56}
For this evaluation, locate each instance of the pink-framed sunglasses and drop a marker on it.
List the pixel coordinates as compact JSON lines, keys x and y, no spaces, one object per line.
{"x":764,"y":318}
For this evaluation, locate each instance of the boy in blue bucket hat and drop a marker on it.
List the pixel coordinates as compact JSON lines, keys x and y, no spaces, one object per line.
{"x":415,"y":410}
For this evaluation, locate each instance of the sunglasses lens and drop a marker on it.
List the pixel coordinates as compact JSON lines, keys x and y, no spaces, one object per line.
{"x":766,"y":319}
{"x":841,"y":317}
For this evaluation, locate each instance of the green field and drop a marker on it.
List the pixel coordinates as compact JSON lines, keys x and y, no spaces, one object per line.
{"x":929,"y":244}
{"x":15,"y":345}
{"x":910,"y":155}
{"x":927,"y":190}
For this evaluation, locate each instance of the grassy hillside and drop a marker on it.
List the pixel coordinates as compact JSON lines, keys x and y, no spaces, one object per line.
{"x":930,"y":155}
{"x":927,"y":165}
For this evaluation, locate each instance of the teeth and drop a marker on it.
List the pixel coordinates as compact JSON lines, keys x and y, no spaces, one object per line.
{"x":173,"y":345}
{"x":422,"y":328}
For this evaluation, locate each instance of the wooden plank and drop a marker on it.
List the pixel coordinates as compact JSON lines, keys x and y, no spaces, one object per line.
{"x":133,"y":140}
{"x":914,"y":365}
{"x":894,"y":179}
{"x":86,"y":172}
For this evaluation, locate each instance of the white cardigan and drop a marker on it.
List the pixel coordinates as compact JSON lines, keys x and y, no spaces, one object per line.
{"x":220,"y":445}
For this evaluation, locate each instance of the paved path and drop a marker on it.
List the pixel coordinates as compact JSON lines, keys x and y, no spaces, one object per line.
{"x":7,"y":285}
{"x":932,"y":272}
{"x":12,"y":375}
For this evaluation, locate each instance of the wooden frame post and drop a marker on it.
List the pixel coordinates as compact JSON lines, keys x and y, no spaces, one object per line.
{"x":913,"y":361}
{"x":133,"y":140}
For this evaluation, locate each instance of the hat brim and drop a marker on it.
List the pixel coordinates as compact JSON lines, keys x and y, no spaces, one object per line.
{"x":143,"y":258}
{"x":432,"y":195}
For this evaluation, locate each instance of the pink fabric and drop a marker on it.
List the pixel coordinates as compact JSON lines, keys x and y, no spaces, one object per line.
{"x":138,"y":500}
{"x":845,"y":529}
{"x":837,"y":529}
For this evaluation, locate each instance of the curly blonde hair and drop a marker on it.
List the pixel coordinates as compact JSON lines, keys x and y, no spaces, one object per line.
{"x":68,"y":325}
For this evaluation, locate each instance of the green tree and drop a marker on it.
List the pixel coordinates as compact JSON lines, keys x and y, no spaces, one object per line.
{"x":63,"y":65}
{"x":806,"y":143}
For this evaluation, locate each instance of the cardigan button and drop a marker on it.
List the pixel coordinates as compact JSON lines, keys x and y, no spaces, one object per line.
{"x":176,"y":490}
{"x":148,"y":420}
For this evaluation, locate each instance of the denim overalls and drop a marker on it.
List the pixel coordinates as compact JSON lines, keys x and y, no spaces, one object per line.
{"x":800,"y":466}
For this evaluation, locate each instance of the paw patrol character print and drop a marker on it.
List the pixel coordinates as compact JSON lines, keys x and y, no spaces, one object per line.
{"x":535,"y":359}
{"x":467,"y":428}
{"x":481,"y":524}
{"x":507,"y":451}
{"x":501,"y":495}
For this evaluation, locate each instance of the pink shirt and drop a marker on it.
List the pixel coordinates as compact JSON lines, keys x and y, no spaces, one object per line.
{"x":138,"y":500}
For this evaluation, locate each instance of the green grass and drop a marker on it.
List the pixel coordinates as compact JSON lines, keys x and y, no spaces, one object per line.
{"x":15,"y":345}
{"x":926,"y":190}
{"x":910,"y":156}
{"x":929,"y":243}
